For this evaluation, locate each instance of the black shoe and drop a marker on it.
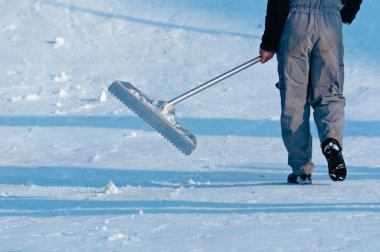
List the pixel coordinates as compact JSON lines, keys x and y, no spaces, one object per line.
{"x":300,"y":179}
{"x":333,"y":153}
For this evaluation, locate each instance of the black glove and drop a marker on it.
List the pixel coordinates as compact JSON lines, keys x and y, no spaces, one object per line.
{"x":349,"y":11}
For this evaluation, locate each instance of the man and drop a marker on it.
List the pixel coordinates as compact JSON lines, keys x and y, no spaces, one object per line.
{"x":307,"y":37}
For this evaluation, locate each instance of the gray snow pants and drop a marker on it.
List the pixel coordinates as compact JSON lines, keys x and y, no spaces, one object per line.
{"x":311,"y":72}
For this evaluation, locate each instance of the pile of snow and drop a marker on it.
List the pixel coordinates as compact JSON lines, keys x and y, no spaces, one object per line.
{"x":103,"y":96}
{"x":62,"y":77}
{"x":58,"y":42}
{"x":111,"y":188}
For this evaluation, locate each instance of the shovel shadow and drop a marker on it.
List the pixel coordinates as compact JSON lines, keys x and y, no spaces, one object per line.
{"x":198,"y":126}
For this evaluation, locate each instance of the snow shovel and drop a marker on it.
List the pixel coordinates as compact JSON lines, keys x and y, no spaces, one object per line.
{"x":161,"y":114}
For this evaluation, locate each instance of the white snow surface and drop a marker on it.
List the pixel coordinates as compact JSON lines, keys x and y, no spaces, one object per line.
{"x":79,"y":172}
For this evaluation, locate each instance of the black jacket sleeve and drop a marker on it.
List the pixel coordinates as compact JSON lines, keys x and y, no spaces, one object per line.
{"x":349,"y":10}
{"x":277,"y":13}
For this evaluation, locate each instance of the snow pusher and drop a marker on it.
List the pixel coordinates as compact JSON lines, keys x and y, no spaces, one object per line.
{"x":160,"y":115}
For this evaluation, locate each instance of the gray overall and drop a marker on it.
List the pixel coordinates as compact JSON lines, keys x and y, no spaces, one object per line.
{"x":311,"y":71}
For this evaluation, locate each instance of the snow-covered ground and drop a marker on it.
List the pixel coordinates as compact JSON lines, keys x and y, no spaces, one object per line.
{"x":80,"y":172}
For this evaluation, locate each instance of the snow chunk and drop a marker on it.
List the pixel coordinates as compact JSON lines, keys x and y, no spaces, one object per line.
{"x":58,"y":112}
{"x":3,"y":194}
{"x":275,"y":118}
{"x":192,"y":182}
{"x":58,"y":42}
{"x":116,"y":237}
{"x":132,"y":135}
{"x":111,"y":188}
{"x":61,"y":77}
{"x":177,"y":192}
{"x":96,"y":158}
{"x":103,"y":96}
{"x":16,"y":99}
{"x":62,"y":93}
{"x":10,"y":27}
{"x":86,"y":106}
{"x":32,"y":97}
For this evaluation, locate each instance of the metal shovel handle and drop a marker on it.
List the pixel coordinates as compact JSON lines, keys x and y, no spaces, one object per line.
{"x":213,"y":82}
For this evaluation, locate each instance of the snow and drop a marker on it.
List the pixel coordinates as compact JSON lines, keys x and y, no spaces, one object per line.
{"x":116,"y":237}
{"x":32,"y":97}
{"x":103,"y":96}
{"x":58,"y":42}
{"x":111,"y":188}
{"x":80,"y":172}
{"x":62,"y":93}
{"x":62,"y":77}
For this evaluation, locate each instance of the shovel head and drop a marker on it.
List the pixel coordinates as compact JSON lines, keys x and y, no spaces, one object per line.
{"x":153,"y":112}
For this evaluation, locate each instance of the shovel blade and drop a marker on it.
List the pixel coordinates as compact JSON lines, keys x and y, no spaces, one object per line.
{"x":151,"y":111}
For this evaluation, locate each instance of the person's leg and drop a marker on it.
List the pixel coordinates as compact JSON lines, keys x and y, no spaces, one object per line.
{"x":293,"y":69}
{"x":327,"y":78}
{"x":327,"y":86}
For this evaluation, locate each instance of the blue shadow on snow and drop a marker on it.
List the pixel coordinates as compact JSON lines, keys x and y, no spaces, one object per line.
{"x":198,"y":126}
{"x":98,"y":177}
{"x":257,"y":175}
{"x":147,"y":22}
{"x":37,"y":207}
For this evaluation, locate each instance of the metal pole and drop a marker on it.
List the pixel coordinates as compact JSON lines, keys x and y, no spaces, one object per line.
{"x":212,"y":82}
